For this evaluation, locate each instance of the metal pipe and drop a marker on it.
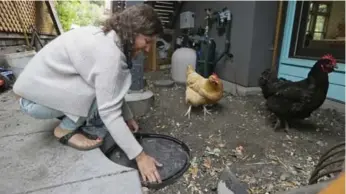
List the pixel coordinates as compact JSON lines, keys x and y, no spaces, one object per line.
{"x":277,"y":34}
{"x":228,"y":39}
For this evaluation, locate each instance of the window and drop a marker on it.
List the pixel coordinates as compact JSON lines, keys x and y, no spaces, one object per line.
{"x":318,"y":29}
{"x":317,"y":20}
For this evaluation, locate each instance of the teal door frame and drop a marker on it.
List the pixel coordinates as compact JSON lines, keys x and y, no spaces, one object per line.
{"x":296,"y":69}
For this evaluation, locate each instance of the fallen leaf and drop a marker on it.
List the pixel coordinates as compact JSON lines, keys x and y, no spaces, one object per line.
{"x":221,"y":145}
{"x":186,"y":177}
{"x":215,"y":151}
{"x":238,"y":151}
{"x":194,"y":162}
{"x":145,"y":190}
{"x":193,"y":172}
{"x":208,"y":149}
{"x":212,"y":173}
{"x":193,"y":187}
{"x":207,"y":163}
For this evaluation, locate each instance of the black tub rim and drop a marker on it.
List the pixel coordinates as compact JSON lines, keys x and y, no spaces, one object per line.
{"x":171,"y":179}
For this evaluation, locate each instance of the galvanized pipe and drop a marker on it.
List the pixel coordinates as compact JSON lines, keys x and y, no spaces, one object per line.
{"x":137,"y":73}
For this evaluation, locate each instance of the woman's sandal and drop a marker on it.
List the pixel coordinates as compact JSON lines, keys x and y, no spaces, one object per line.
{"x":65,"y":140}
{"x":60,"y":118}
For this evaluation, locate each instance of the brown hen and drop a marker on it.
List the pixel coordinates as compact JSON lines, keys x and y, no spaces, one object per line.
{"x":202,"y":91}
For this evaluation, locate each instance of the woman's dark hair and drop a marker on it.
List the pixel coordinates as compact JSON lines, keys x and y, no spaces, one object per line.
{"x":136,"y":19}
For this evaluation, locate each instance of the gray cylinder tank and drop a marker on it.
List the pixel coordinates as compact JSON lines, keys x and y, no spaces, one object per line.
{"x":137,"y":73}
{"x":181,"y":58}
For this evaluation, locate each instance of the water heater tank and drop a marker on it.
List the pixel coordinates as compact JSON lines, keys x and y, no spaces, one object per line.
{"x":181,"y":58}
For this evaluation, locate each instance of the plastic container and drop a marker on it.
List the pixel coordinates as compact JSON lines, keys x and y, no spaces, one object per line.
{"x":169,"y":151}
{"x":18,"y":61}
{"x":181,"y":58}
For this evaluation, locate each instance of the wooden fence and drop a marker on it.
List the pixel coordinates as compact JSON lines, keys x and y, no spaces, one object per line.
{"x":18,"y":16}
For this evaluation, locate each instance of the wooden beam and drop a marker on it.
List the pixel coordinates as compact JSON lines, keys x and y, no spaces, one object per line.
{"x":54,"y":15}
{"x":279,"y":16}
{"x":151,"y":60}
{"x":4,"y":35}
{"x":154,"y":66}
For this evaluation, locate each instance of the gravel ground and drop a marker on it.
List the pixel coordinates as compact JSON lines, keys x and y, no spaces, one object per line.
{"x":238,"y":133}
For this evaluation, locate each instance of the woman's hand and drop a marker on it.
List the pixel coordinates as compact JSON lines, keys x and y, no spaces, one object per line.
{"x":147,"y":167}
{"x":132,"y":124}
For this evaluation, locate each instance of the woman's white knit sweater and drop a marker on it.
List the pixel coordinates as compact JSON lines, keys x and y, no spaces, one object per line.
{"x":73,"y":69}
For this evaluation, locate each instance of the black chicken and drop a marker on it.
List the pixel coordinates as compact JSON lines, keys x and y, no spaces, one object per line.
{"x":290,"y":100}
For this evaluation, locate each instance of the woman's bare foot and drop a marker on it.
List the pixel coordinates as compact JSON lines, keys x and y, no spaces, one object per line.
{"x":78,"y":140}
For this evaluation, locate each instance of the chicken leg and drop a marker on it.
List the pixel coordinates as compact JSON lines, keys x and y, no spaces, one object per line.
{"x":206,"y":111}
{"x":287,"y":127}
{"x":188,"y":112}
{"x":279,"y":124}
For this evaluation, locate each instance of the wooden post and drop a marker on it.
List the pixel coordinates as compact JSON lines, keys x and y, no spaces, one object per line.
{"x":279,"y":15}
{"x":53,"y":13}
{"x":154,"y":56}
{"x":151,"y":60}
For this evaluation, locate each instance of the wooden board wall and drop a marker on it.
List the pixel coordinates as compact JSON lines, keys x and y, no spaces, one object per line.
{"x":18,"y":16}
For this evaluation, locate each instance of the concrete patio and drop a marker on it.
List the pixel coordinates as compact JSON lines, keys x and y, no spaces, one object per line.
{"x":33,"y":161}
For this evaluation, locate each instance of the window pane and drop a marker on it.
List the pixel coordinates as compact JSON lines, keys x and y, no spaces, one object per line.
{"x":326,"y":33}
{"x":317,"y":36}
{"x":308,"y":23}
{"x":319,"y":23}
{"x":322,"y":8}
{"x":311,"y":6}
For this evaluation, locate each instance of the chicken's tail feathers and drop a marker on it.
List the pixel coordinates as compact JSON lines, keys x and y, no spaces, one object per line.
{"x":264,"y":78}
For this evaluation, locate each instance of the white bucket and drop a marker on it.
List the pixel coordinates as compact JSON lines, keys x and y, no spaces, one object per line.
{"x":181,"y":58}
{"x":18,"y":61}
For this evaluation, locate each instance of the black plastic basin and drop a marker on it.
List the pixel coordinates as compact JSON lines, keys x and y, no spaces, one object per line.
{"x":169,"y":151}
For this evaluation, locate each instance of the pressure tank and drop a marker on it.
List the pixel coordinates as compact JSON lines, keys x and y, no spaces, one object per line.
{"x":181,"y":58}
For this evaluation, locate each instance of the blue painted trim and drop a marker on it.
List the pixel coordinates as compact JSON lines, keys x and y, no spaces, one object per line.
{"x":296,"y":69}
{"x":288,"y":30}
{"x":302,"y":72}
{"x":284,"y":57}
{"x":335,"y":92}
{"x":309,"y":63}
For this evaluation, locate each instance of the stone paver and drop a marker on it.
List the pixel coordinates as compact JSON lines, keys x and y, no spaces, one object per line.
{"x":33,"y":161}
{"x":100,"y":185}
{"x":164,"y":83}
{"x":229,"y":183}
{"x":140,"y":102}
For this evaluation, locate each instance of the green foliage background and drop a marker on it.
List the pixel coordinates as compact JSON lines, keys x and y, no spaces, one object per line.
{"x":77,"y":12}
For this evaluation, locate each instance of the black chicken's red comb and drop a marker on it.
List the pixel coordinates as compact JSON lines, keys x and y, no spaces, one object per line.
{"x":330,"y":57}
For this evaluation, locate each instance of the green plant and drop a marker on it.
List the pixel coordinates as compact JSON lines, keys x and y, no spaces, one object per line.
{"x":67,"y":12}
{"x":77,"y":12}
